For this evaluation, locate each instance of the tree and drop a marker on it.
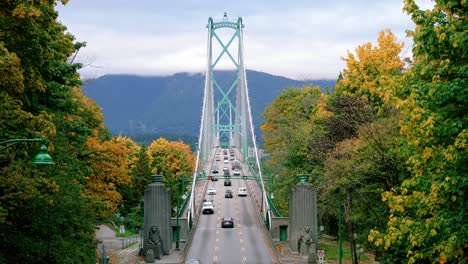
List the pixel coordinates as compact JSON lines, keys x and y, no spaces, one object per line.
{"x":167,"y":158}
{"x":428,"y":211}
{"x":140,"y":175}
{"x":109,"y":169}
{"x":289,"y":133}
{"x":359,"y":169}
{"x":374,"y":72}
{"x":47,"y":214}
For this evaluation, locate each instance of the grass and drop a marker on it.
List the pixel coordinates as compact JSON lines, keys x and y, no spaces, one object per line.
{"x":128,"y":232}
{"x":331,"y":251}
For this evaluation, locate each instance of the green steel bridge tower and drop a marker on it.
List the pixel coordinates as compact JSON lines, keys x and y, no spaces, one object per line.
{"x":225,"y":110}
{"x":226,"y":119}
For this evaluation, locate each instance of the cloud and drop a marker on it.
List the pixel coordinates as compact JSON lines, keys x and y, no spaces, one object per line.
{"x":301,"y":39}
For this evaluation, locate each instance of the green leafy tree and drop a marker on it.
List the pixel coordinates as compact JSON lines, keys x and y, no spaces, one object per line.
{"x":289,"y":133}
{"x":428,"y":211}
{"x":46,"y":214}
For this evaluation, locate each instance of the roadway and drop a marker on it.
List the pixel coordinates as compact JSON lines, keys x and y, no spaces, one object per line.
{"x":246,"y":242}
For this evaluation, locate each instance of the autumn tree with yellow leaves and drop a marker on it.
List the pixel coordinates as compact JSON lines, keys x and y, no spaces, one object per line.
{"x":175,"y":162}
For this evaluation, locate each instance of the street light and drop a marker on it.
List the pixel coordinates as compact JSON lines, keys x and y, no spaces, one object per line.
{"x":42,"y":158}
{"x":180,"y":185}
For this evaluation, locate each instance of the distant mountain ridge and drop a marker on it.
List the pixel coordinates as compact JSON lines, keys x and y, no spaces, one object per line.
{"x":134,"y":105}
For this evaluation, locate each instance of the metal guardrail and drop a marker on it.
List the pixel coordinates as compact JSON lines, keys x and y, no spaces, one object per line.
{"x":273,"y":208}
{"x":184,"y":204}
{"x":270,"y":202}
{"x":131,"y":240}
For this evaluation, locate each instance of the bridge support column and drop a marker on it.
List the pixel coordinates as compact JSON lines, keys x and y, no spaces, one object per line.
{"x":157,"y":223}
{"x":303,"y":231}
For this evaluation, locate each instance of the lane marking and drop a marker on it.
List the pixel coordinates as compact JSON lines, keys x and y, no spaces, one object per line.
{"x":215,"y":258}
{"x":216,"y":248}
{"x":217,"y":232}
{"x":217,"y":239}
{"x":242,"y":248}
{"x":240,"y":233}
{"x":242,"y":240}
{"x":244,"y":259}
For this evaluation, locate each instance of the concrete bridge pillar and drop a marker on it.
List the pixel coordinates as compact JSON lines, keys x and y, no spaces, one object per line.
{"x":157,"y":213}
{"x":302,"y":213}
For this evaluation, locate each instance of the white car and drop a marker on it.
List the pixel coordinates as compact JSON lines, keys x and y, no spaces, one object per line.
{"x":211,"y":191}
{"x":208,"y":208}
{"x":242,"y":191}
{"x":236,"y":172}
{"x":226,"y":161}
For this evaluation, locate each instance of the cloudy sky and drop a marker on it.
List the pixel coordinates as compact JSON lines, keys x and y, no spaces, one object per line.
{"x":300,"y":39}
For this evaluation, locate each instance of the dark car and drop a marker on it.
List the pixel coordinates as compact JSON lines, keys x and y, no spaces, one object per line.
{"x":227,"y":183}
{"x":214,"y":178}
{"x":227,"y":222}
{"x":215,"y":171}
{"x":228,"y":194}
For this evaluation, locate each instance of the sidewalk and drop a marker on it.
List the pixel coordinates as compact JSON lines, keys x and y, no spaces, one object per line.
{"x":113,"y":247}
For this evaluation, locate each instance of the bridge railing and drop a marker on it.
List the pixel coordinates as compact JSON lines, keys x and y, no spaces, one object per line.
{"x":184,"y":204}
{"x":270,"y":201}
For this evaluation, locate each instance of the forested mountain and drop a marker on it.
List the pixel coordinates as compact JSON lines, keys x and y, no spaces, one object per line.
{"x":134,"y":105}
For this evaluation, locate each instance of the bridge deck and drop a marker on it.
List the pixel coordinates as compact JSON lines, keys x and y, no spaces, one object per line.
{"x":245,"y":243}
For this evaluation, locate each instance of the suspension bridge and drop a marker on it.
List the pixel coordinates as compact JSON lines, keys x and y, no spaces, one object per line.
{"x":227,"y":128}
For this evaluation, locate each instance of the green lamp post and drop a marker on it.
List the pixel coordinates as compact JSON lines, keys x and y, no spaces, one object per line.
{"x":42,"y":158}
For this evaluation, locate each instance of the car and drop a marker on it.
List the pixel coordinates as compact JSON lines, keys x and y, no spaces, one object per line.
{"x":226,"y":161}
{"x":242,"y":191}
{"x":232,"y":158}
{"x":214,"y":178}
{"x":211,"y":191}
{"x":227,"y":222}
{"x":227,"y":182}
{"x":208,"y":208}
{"x":236,"y":164}
{"x":215,"y":170}
{"x":236,"y":172}
{"x":218,"y":158}
{"x":228,"y":194}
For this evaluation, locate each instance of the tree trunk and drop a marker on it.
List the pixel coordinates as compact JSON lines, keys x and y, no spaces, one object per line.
{"x":352,"y":241}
